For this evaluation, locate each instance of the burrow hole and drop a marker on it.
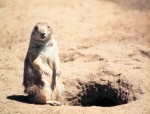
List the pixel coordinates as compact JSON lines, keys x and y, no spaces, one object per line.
{"x":94,"y":94}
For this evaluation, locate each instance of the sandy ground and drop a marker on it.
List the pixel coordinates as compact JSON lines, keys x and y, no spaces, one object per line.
{"x":99,"y":40}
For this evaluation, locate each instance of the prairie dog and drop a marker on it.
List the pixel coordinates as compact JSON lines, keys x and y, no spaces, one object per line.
{"x":42,"y":67}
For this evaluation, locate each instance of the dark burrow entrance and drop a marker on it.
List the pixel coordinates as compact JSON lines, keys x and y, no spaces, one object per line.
{"x":105,"y":95}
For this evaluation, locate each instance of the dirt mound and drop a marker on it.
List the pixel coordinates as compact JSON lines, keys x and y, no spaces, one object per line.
{"x":104,"y":93}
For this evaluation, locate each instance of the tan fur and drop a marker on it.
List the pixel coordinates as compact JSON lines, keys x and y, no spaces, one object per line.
{"x":42,"y":67}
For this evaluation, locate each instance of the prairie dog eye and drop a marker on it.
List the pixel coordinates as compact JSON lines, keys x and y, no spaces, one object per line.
{"x":48,"y":27}
{"x":35,"y":28}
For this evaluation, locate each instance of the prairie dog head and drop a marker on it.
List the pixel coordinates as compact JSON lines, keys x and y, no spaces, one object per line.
{"x":41,"y":32}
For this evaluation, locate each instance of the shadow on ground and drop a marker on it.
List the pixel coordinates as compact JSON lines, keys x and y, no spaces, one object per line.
{"x":20,"y":98}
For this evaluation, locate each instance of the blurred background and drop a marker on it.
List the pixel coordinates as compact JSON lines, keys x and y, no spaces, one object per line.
{"x":75,"y":19}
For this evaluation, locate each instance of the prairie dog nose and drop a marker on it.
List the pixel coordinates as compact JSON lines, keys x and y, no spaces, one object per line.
{"x":42,"y":34}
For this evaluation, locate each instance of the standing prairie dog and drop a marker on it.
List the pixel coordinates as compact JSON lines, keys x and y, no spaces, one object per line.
{"x":42,"y":67}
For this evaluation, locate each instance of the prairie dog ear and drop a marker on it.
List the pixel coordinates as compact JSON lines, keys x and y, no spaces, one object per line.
{"x":35,"y":28}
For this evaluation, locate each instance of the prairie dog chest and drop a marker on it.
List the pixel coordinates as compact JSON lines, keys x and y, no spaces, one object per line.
{"x":49,"y":51}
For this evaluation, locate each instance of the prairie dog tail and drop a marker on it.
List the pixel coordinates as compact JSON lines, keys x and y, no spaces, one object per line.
{"x":36,"y":94}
